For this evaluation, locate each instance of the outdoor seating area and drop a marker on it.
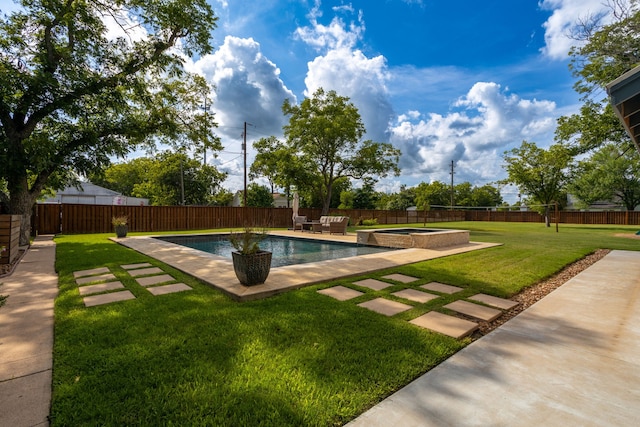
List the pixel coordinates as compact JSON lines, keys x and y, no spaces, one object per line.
{"x":326,"y":224}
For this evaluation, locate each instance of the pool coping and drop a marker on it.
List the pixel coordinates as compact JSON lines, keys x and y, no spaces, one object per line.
{"x":217,"y":271}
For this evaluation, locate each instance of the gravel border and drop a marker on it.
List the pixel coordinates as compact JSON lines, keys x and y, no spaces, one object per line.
{"x":534,"y":293}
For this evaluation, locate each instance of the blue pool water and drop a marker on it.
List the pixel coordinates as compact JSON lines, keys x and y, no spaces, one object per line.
{"x":286,"y":251}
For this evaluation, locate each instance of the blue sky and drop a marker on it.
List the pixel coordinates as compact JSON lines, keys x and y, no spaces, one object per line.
{"x":444,"y":81}
{"x":459,"y":81}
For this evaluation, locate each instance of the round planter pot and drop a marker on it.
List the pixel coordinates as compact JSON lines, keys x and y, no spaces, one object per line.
{"x":252,"y":269}
{"x":121,"y":230}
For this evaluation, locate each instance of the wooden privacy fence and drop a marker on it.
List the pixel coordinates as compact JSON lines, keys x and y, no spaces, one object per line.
{"x":76,"y":218}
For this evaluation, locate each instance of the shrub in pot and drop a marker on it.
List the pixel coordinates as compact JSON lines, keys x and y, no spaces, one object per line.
{"x":120,"y":225}
{"x":250,"y":263}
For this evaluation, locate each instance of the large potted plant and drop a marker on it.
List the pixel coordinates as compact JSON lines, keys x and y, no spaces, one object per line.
{"x":120,"y":225}
{"x":250,"y":263}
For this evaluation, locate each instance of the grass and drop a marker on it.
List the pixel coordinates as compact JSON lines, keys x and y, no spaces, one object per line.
{"x":300,"y":358}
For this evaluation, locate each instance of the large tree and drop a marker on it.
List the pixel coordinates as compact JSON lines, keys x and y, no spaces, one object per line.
{"x":540,"y":174}
{"x":610,"y":173}
{"x":325,"y":134}
{"x":259,"y":196}
{"x":166,"y":179}
{"x":73,"y":95}
{"x":474,"y":196}
{"x":604,"y":53}
{"x":432,"y":194}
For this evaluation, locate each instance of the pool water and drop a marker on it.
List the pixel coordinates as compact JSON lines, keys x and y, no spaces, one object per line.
{"x":286,"y":251}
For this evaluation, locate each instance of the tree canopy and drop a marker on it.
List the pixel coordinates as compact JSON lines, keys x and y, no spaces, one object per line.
{"x":259,"y":196}
{"x":610,"y":173}
{"x":324,"y":139}
{"x":164,"y":179}
{"x":608,"y":52}
{"x":540,"y":174}
{"x":75,"y":93}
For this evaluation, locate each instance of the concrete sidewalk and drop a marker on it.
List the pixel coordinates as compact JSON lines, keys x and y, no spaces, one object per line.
{"x":26,"y":337}
{"x":571,"y":359}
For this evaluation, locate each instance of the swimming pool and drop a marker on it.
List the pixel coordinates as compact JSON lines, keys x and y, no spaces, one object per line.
{"x":286,"y":251}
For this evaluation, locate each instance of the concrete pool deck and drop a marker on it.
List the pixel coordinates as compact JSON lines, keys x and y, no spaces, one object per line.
{"x":218,"y":271}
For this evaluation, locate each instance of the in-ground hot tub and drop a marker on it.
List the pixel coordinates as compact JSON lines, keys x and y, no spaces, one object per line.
{"x":424,"y":238}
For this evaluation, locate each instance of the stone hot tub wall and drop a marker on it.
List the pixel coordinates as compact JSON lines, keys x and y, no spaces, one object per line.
{"x":429,"y":240}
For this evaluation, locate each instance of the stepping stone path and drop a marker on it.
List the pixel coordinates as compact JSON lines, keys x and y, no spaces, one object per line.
{"x":400,"y":278}
{"x":341,"y":293}
{"x":438,"y":322}
{"x":444,"y":324}
{"x":385,"y":306}
{"x":103,"y":287}
{"x":415,"y":295}
{"x":104,"y":295}
{"x":376,"y":285}
{"x":91,"y":279}
{"x":154,"y":280}
{"x":501,"y":303}
{"x":90,"y":301}
{"x":474,"y":310}
{"x":168,"y":289}
{"x":145,"y":271}
{"x":441,"y":287}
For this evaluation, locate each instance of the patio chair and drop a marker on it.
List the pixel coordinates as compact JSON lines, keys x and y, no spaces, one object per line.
{"x":297,"y":222}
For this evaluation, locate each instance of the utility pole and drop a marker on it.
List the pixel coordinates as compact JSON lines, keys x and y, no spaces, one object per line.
{"x":182,"y":182}
{"x":206,"y":127}
{"x":451,"y":184}
{"x":244,"y":150}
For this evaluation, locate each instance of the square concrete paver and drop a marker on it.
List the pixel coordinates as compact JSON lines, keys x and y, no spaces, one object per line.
{"x":376,"y":285}
{"x":385,"y":306}
{"x":102,"y":287}
{"x":441,"y":287}
{"x":169,"y":289}
{"x":415,"y":295}
{"x":100,"y":278}
{"x":501,"y":303}
{"x":145,"y":271}
{"x":444,"y":324}
{"x":154,"y":280}
{"x":108,"y":298}
{"x":341,"y":293}
{"x":400,"y":278}
{"x":474,"y":310}
{"x":83,"y":273}
{"x":134,"y":266}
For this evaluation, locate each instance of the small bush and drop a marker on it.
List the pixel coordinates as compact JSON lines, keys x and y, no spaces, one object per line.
{"x":373,"y":221}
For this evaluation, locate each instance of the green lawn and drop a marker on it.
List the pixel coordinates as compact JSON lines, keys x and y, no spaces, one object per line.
{"x":301,"y":358}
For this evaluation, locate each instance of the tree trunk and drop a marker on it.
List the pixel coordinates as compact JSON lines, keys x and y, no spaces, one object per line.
{"x":327,"y":201}
{"x":21,"y":203}
{"x":546,"y":216}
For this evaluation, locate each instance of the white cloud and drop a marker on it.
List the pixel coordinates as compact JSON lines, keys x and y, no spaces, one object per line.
{"x":336,"y":35}
{"x":248,"y":88}
{"x":484,"y":123}
{"x":566,"y":14}
{"x":347,"y":70}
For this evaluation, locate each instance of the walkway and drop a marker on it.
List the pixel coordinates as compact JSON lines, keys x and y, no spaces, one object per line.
{"x":571,"y":359}
{"x":26,"y":337}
